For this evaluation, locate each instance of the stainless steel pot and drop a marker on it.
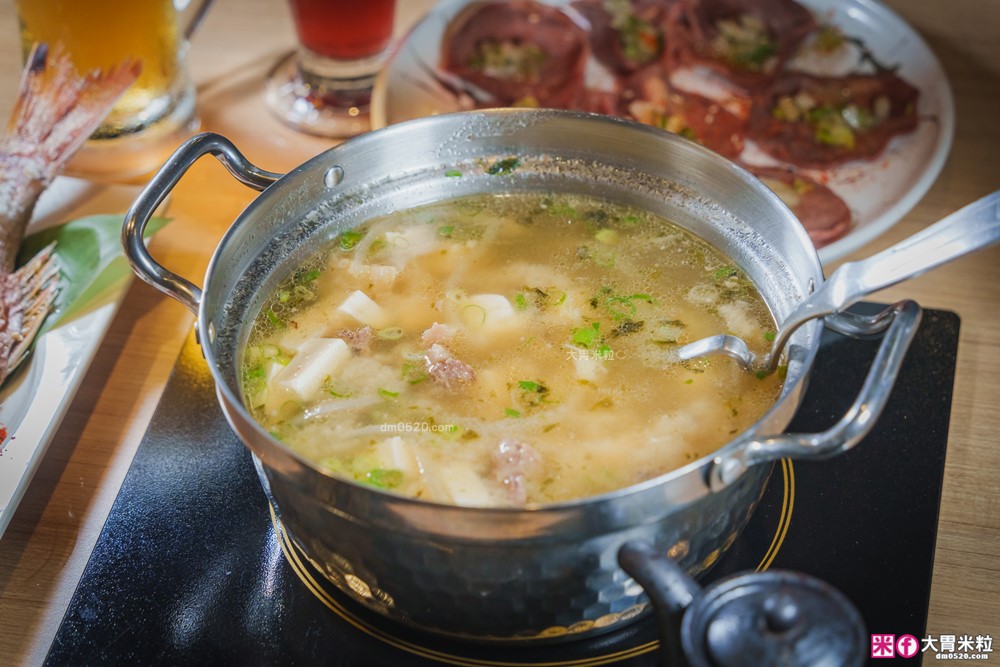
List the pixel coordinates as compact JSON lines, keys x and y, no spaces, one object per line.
{"x":507,"y":574}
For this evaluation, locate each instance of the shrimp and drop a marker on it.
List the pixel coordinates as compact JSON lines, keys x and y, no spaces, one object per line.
{"x":55,"y":111}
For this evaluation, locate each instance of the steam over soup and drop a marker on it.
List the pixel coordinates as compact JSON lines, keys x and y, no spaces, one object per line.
{"x":507,"y":350}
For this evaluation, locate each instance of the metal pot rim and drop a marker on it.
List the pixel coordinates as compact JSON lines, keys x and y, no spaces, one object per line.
{"x":710,"y":472}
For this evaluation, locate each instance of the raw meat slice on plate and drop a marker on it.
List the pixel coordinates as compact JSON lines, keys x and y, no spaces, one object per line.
{"x":814,"y":121}
{"x":824,"y":214}
{"x":521,"y":53}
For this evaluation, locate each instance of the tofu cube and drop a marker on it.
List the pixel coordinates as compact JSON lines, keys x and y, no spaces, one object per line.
{"x":362,"y":308}
{"x":486,"y":310}
{"x":318,"y":359}
{"x":588,"y":365}
{"x":464,"y":486}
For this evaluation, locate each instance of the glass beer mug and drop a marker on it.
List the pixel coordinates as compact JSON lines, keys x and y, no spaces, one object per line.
{"x":159,"y":108}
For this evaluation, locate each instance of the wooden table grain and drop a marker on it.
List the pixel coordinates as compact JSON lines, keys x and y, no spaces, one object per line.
{"x":53,"y":531}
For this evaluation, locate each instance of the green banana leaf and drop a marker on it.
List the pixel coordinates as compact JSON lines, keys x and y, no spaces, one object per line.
{"x":90,"y":260}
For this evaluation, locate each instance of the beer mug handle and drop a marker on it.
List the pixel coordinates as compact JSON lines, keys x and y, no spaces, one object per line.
{"x":191,"y":13}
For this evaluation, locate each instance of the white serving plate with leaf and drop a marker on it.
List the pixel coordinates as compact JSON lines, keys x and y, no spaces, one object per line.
{"x":36,"y":397}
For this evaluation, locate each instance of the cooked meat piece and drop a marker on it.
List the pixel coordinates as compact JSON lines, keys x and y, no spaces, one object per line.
{"x":522,"y":53}
{"x":359,"y":340}
{"x":824,"y":215}
{"x":437,"y":333}
{"x":445,"y":369}
{"x":813,"y":121}
{"x":513,"y":461}
{"x":746,"y":41}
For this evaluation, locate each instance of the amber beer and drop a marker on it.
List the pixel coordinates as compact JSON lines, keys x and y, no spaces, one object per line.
{"x":106,"y":33}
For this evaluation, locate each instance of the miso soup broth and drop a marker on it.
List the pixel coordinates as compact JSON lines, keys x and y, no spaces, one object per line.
{"x":507,"y":350}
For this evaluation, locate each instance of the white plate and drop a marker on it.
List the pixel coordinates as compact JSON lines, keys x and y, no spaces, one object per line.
{"x":879,"y":192}
{"x":34,"y":402}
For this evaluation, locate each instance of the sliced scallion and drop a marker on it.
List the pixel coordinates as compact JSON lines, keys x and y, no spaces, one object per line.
{"x":390,"y":333}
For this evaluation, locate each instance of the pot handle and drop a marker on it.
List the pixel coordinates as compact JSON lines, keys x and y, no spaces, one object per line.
{"x":853,"y":426}
{"x":157,"y":190}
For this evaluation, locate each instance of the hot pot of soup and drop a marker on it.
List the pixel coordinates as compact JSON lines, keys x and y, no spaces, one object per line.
{"x":451,"y":347}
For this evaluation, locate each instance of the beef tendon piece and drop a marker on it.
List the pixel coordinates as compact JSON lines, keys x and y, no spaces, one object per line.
{"x":521,"y":53}
{"x":821,"y":122}
{"x":746,"y":41}
{"x":649,"y":98}
{"x":824,"y":215}
{"x":625,"y":35}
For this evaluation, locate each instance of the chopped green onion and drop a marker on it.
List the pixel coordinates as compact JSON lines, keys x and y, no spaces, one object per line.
{"x":620,"y":307}
{"x":445,"y":231}
{"x":390,"y":333}
{"x":512,"y":413}
{"x":521,"y":301}
{"x":759,"y":55}
{"x":587,"y":336}
{"x":529,"y":385}
{"x":769,"y":336}
{"x":470,"y":207}
{"x":383,"y":478}
{"x":627,"y":327}
{"x":560,"y":208}
{"x":349,"y":239}
{"x":829,"y":38}
{"x":453,"y":173}
{"x":274,"y":319}
{"x":504,"y":166}
{"x":607,"y":236}
{"x":385,"y":393}
{"x":479,"y":313}
{"x":689,"y":381}
{"x":413,"y":373}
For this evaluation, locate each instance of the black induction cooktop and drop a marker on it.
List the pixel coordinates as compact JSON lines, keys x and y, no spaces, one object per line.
{"x":193,"y":568}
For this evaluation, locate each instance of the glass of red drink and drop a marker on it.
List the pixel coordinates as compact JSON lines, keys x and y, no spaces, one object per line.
{"x":324,"y":87}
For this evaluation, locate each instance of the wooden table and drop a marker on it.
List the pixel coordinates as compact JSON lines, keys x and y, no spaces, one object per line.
{"x":50,"y":539}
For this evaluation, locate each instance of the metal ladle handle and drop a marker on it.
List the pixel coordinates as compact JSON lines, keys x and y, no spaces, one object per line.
{"x":971,"y":228}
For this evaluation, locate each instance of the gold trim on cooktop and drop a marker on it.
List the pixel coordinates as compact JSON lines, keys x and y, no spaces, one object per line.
{"x":784,"y":518}
{"x":295,"y":560}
